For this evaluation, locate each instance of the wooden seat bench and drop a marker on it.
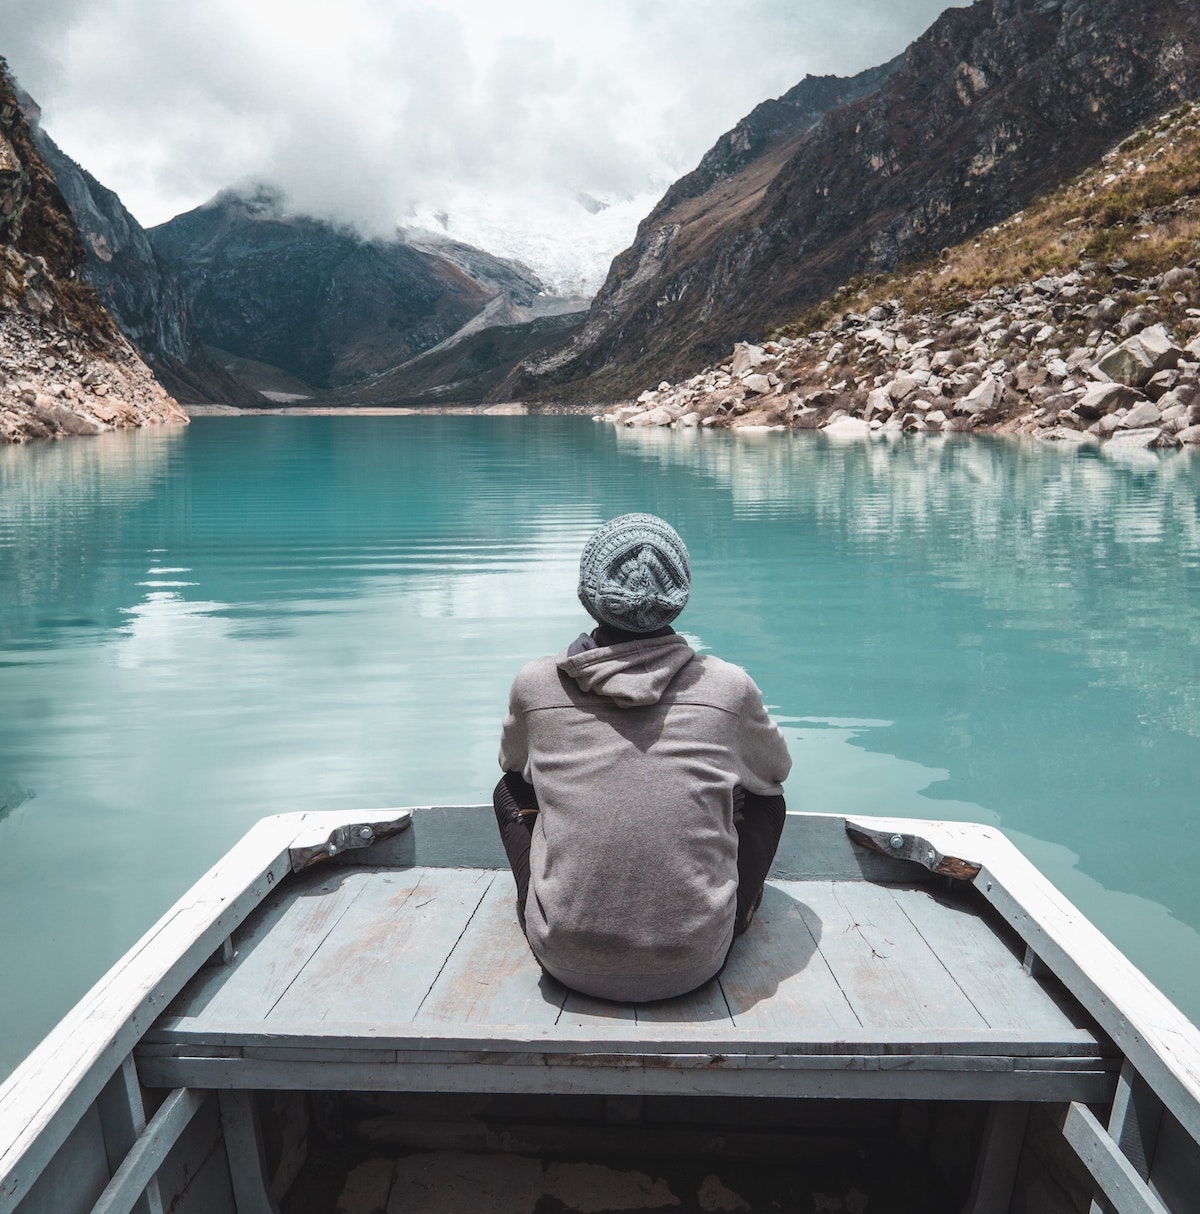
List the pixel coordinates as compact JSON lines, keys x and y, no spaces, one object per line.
{"x":416,"y":977}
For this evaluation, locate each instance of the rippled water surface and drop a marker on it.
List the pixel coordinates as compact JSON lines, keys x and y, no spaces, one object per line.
{"x":203,"y":626}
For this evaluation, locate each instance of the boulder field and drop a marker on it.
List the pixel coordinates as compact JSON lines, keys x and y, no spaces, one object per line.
{"x":1006,"y":362}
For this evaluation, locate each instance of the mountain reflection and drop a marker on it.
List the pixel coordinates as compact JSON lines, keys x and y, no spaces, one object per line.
{"x":1100,"y":557}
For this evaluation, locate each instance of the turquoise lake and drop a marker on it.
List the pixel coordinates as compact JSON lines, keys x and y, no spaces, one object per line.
{"x":200,"y":626}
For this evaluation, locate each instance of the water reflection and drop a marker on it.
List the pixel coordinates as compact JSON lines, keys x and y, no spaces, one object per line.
{"x":1099,"y":559}
{"x":64,"y":507}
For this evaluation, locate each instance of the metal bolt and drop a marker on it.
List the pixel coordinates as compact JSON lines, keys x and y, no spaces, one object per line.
{"x":332,"y":849}
{"x":897,"y":842}
{"x":365,"y":832}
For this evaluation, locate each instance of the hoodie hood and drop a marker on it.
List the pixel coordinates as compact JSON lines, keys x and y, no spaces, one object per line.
{"x":633,"y":674}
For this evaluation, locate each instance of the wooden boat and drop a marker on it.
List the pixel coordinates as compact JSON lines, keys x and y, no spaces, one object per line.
{"x":343,"y":1015}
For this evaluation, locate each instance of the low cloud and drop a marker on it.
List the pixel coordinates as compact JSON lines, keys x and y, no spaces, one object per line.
{"x":371,"y":111}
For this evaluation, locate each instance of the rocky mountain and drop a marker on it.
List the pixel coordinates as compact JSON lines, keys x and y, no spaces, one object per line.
{"x":135,"y":283}
{"x":1077,"y":320}
{"x":994,"y":104}
{"x":318,"y":301}
{"x":65,"y":367}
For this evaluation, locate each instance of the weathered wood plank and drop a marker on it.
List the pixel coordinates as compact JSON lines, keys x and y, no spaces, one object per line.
{"x":272,"y":946}
{"x":491,"y":977}
{"x":1114,"y":1174}
{"x":644,"y":1076}
{"x":122,"y":1119}
{"x":776,"y":976}
{"x":583,"y":1012}
{"x":357,"y":831}
{"x":985,"y":969}
{"x":917,"y":850}
{"x":76,"y":1175}
{"x":999,"y":1154}
{"x":1159,"y":1040}
{"x":173,"y":1116}
{"x":613,"y":1037}
{"x":889,"y":975}
{"x":1175,"y":1175}
{"x":244,"y":1150}
{"x":706,"y":1005}
{"x":441,"y":836}
{"x":1135,"y":1119}
{"x":194,"y":1176}
{"x":385,"y":953}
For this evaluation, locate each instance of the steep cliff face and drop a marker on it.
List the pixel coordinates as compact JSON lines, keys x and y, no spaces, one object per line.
{"x":319,"y":301}
{"x":770,"y":125}
{"x":991,"y":106}
{"x":65,"y":367}
{"x":135,"y":283}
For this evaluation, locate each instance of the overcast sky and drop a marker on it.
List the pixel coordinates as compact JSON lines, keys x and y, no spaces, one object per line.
{"x":383,"y":111}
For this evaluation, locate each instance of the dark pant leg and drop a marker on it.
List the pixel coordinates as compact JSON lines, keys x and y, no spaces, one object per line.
{"x":516,"y":808}
{"x":759,"y":821}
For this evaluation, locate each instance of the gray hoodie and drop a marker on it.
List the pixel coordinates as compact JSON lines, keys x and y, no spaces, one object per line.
{"x":634,"y":750}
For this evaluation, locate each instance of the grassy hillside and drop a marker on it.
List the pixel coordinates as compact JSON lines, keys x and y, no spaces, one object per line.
{"x":1136,"y":214}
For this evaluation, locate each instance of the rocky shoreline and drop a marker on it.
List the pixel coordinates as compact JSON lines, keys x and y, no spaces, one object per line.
{"x":65,"y":368}
{"x":505,"y":409}
{"x":55,"y":386}
{"x":1059,"y":359}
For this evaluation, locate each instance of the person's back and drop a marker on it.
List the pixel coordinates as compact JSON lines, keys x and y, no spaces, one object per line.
{"x":635,"y":751}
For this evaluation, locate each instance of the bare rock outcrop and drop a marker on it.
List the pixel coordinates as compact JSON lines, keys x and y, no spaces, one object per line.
{"x":65,"y":368}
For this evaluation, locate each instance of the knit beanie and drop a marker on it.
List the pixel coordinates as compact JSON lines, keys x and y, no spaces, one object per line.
{"x":634,"y":573}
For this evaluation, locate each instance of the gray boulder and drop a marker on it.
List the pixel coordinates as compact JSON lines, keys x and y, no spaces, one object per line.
{"x":1100,"y":399}
{"x":746,"y":357}
{"x":982,"y":399}
{"x":1064,"y":434}
{"x":1136,"y":360}
{"x":1144,"y":414}
{"x":1136,"y":440}
{"x":655,"y":417}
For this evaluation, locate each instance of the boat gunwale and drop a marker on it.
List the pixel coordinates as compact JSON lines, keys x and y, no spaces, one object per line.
{"x":42,"y":1101}
{"x":1159,"y":1041}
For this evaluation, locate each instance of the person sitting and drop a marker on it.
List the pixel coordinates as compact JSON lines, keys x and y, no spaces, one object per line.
{"x":641,"y":803}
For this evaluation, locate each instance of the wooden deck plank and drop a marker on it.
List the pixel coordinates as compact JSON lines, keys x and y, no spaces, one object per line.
{"x":776,"y":977}
{"x":984,"y":967}
{"x":888,"y":972}
{"x":491,"y":977}
{"x":384,"y":954}
{"x":617,"y":1036}
{"x":1162,"y":1044}
{"x":272,"y":946}
{"x":582,"y":1011}
{"x":702,"y":1006}
{"x":936,"y":1077}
